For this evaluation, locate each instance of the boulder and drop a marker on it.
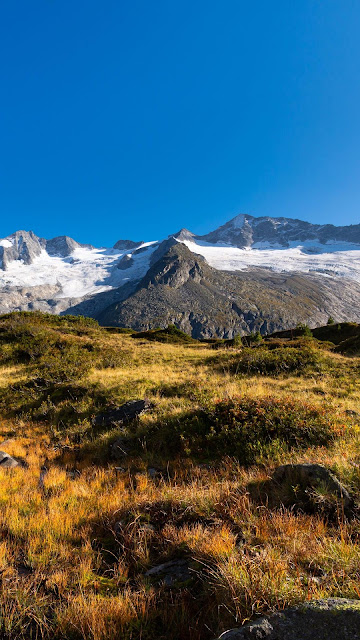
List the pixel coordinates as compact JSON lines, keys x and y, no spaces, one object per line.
{"x":7,"y":462}
{"x":330,"y":619}
{"x":122,"y":415}
{"x":312,"y":476}
{"x":175,"y":573}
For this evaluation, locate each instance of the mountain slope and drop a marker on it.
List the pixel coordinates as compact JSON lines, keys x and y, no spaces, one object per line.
{"x":245,"y":231}
{"x":181,"y":288}
{"x":251,"y":273}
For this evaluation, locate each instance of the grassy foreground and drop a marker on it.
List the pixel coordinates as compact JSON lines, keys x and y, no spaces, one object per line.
{"x":78,"y":530}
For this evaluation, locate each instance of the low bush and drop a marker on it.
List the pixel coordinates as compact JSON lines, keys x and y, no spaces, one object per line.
{"x":263,"y":361}
{"x":243,"y":427}
{"x":171,"y":334}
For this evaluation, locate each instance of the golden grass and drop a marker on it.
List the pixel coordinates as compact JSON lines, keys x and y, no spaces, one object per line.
{"x":69,"y":572}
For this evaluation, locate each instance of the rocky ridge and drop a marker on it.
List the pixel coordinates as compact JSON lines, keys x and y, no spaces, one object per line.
{"x":184,"y":279}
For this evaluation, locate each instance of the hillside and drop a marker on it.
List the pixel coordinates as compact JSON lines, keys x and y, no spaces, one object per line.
{"x":140,"y":503}
{"x":250,"y":274}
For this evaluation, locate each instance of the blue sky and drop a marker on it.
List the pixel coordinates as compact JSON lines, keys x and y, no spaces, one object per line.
{"x":133,"y":119}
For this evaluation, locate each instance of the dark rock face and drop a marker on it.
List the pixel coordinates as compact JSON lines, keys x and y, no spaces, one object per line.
{"x":62,"y":246}
{"x":245,"y":231}
{"x":332,"y":619}
{"x":25,"y":246}
{"x":315,"y":476}
{"x":126,"y":262}
{"x":126,"y":245}
{"x":181,"y":288}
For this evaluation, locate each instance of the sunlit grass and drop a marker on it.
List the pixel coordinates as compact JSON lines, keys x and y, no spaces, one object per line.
{"x":74,"y":547}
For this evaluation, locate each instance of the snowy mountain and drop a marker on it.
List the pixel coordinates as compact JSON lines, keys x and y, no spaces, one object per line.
{"x":246,"y":231}
{"x":209,"y":285}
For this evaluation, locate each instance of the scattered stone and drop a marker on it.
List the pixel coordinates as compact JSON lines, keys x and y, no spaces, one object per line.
{"x":307,"y":476}
{"x":176,"y":573}
{"x":7,"y":462}
{"x":122,"y":415}
{"x":331,"y":619}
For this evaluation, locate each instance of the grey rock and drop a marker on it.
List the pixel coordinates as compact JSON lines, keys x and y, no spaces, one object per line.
{"x":140,"y":250}
{"x":184,"y":234}
{"x":8,"y":462}
{"x":312,"y":476}
{"x":25,"y":246}
{"x":126,"y":245}
{"x":175,"y":573}
{"x":330,"y":619}
{"x":245,"y":230}
{"x":63,"y":246}
{"x":126,"y":262}
{"x":122,"y":415}
{"x":257,"y":629}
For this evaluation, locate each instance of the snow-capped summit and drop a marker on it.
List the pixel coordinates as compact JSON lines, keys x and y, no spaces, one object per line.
{"x":244,"y":258}
{"x":246,"y":231}
{"x":21,"y":245}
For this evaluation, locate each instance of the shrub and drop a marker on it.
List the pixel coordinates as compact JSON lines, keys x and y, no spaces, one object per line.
{"x":171,"y":334}
{"x":263,"y":361}
{"x":244,"y":427}
{"x":303,"y":330}
{"x":66,"y":364}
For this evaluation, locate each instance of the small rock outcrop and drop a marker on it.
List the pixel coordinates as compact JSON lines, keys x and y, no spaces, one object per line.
{"x":125,"y":262}
{"x":331,"y":619}
{"x":312,"y":476}
{"x":122,"y":415}
{"x":126,"y":245}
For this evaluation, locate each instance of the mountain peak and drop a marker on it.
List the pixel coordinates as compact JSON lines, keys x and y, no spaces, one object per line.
{"x":126,"y":245}
{"x":245,"y":231}
{"x":183,"y":234}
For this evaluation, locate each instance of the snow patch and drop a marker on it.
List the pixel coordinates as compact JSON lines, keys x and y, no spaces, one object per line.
{"x":85,"y":272}
{"x":338,"y":259}
{"x":6,"y":243}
